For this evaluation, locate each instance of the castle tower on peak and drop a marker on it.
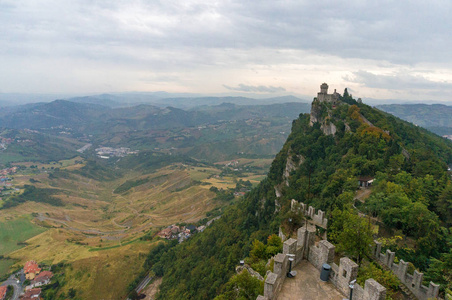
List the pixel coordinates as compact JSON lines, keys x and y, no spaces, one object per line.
{"x":323,"y":95}
{"x":324,"y":88}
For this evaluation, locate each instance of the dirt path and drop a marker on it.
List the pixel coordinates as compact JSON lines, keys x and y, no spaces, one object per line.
{"x":151,"y":290}
{"x":363,"y":194}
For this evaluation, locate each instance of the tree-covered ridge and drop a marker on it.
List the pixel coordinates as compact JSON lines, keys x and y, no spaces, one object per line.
{"x":412,"y":184}
{"x":435,"y":117}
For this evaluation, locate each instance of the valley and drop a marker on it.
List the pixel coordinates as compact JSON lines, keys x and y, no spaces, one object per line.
{"x":95,"y":217}
{"x":93,"y":201}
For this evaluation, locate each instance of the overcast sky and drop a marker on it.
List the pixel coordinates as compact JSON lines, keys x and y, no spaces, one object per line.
{"x":378,"y":49}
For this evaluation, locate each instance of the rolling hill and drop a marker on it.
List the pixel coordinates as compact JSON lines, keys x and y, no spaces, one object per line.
{"x":436,"y":117}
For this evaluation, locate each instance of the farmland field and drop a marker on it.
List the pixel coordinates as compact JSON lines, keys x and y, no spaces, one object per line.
{"x":98,"y":229}
{"x":4,"y":266}
{"x":14,"y":231}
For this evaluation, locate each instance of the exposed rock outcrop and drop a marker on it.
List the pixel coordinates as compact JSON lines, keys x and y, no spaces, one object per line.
{"x":316,"y":112}
{"x":293,"y":162}
{"x":328,"y":128}
{"x":239,"y":269}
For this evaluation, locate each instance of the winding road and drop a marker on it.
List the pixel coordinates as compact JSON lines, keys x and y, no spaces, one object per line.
{"x":41,"y":218}
{"x":17,"y":287}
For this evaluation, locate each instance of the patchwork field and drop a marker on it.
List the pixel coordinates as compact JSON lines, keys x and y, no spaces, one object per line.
{"x":97,"y":231}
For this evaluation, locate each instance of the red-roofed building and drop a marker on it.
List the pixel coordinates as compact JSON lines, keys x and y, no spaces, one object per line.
{"x":3,"y":290}
{"x":32,"y":294}
{"x":42,"y":279}
{"x":31,"y":269}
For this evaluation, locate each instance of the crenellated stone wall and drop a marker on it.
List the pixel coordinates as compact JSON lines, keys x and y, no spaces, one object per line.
{"x":412,"y":282}
{"x":341,"y":275}
{"x":304,"y":247}
{"x":317,"y":218}
{"x":275,"y":279}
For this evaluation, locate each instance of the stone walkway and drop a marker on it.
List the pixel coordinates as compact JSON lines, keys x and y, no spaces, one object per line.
{"x":308,"y":286}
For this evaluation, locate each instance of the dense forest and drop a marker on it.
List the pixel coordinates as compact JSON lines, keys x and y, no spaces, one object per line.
{"x":411,"y":201}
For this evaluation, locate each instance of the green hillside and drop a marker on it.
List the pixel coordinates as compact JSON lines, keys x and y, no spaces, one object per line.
{"x":436,"y":117}
{"x":411,"y":196}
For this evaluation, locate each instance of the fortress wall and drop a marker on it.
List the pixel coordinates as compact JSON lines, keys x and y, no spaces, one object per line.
{"x":412,"y":282}
{"x":318,"y":218}
{"x":304,"y":248}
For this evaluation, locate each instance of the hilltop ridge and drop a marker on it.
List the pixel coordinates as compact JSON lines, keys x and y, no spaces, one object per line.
{"x":319,"y":166}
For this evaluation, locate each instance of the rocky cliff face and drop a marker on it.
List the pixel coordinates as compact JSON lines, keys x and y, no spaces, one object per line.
{"x":321,"y":113}
{"x":293,"y":162}
{"x":328,"y":128}
{"x":316,"y":112}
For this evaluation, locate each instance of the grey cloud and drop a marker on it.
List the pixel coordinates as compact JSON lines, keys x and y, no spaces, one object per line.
{"x":392,"y":31}
{"x":170,"y":36}
{"x":397,"y":81}
{"x":256,"y":89}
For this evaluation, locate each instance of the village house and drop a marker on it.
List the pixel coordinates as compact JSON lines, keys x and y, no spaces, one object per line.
{"x":3,"y":290}
{"x":175,"y":229}
{"x":33,"y":294}
{"x":365,"y":181}
{"x":166,"y":233}
{"x":31,"y":269}
{"x":42,"y":279}
{"x":8,"y":171}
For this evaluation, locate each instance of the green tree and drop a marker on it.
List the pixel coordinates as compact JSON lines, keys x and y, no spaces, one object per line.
{"x":242,"y":286}
{"x":353,"y":234}
{"x":257,"y":251}
{"x":274,"y":245}
{"x":444,"y":204}
{"x":133,"y":295}
{"x":440,"y":271}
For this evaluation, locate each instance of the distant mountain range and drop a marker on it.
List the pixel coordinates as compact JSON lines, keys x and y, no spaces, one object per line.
{"x":164,"y":100}
{"x":435,"y":117}
{"x":87,"y":117}
{"x":166,"y":110}
{"x":161,"y":99}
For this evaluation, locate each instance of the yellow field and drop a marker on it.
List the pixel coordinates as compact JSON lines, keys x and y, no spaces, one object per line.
{"x":255,"y":162}
{"x":221,"y":183}
{"x":98,"y":231}
{"x":62,"y":164}
{"x":94,"y":274}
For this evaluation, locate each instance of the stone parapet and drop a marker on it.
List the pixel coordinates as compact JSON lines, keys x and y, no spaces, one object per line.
{"x":317,"y":218}
{"x":340,"y":276}
{"x":372,"y":291}
{"x":412,"y":282}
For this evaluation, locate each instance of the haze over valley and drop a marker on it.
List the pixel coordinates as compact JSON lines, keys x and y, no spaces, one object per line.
{"x":225,"y":150}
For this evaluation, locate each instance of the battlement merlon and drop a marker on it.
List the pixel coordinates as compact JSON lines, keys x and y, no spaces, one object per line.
{"x":317,"y":218}
{"x":412,"y":282}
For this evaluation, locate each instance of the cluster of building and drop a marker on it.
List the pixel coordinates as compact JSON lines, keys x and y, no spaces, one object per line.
{"x":8,"y":171}
{"x":180,"y":232}
{"x":107,"y":152}
{"x":37,"y":279}
{"x":32,"y":294}
{"x":448,"y":136}
{"x":5,"y":181}
{"x":233,"y":163}
{"x":6,"y":140}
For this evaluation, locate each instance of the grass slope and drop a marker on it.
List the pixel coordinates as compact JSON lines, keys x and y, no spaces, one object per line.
{"x":16,"y":231}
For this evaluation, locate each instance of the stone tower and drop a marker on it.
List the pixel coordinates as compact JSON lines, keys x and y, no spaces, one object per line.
{"x":324,"y":88}
{"x":323,"y":95}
